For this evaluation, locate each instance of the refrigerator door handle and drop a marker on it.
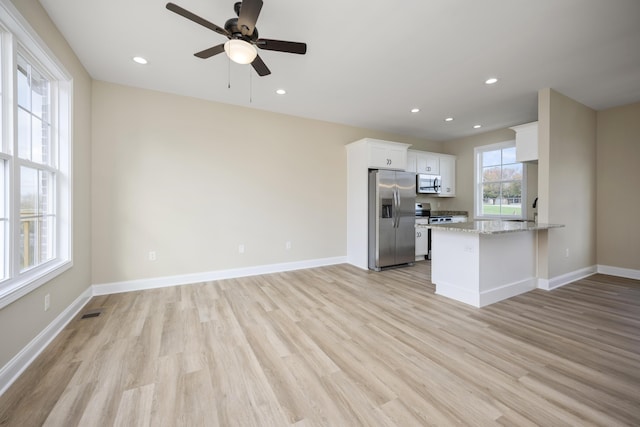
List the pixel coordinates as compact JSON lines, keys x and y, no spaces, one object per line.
{"x":396,"y":211}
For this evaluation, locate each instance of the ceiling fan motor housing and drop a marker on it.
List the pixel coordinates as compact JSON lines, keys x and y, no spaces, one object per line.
{"x":232,"y":27}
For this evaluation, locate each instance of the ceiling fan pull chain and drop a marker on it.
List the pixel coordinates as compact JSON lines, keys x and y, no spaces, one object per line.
{"x":228,"y":73}
{"x":250,"y":86}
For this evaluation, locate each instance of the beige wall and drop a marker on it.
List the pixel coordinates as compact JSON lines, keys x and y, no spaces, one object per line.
{"x":619,"y":187}
{"x":567,"y":184}
{"x":24,"y":319}
{"x":192,"y":180}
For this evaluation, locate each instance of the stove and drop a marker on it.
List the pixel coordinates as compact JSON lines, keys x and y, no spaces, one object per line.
{"x":423,"y":210}
{"x":440,"y":219}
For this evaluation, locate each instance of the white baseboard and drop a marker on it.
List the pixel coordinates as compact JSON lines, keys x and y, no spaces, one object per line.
{"x":457,"y":293}
{"x":186,"y":279}
{"x":484,"y":298}
{"x":12,"y":370}
{"x":507,"y":291}
{"x":565,"y":279}
{"x":619,"y":271}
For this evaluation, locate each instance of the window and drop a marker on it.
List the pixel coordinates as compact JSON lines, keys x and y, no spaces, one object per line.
{"x":500,"y":182}
{"x":35,"y":184}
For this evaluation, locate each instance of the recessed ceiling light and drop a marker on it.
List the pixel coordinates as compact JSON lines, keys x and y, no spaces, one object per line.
{"x":491,"y":81}
{"x":448,"y":119}
{"x":281,"y":91}
{"x":477,"y":126}
{"x":415,"y":110}
{"x":140,"y":60}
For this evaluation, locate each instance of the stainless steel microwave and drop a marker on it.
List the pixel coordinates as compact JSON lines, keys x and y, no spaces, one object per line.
{"x":426,"y":183}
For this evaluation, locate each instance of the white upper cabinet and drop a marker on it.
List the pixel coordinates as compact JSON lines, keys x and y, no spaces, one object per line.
{"x":448,"y":175}
{"x":526,"y":142}
{"x":411,"y":161}
{"x":386,"y":155}
{"x":428,"y":163}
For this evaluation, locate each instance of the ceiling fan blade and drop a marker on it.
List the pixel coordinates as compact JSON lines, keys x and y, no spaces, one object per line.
{"x":195,"y":18}
{"x":260,"y":67}
{"x":249,"y":12}
{"x":282,"y":46}
{"x":208,"y":53}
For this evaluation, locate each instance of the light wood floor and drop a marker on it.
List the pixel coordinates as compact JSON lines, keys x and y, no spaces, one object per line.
{"x":338,"y":346}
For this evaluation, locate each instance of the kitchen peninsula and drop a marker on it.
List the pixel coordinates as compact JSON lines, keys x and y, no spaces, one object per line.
{"x":482,"y":262}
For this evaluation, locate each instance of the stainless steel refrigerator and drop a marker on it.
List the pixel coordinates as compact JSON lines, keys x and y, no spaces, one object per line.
{"x":392,"y":197}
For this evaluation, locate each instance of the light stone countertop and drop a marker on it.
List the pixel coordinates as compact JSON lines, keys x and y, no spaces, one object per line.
{"x":491,"y":227}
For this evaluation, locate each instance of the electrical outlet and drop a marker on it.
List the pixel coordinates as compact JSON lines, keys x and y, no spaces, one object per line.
{"x":47,"y":302}
{"x":287,"y":245}
{"x":152,"y":255}
{"x":241,"y":248}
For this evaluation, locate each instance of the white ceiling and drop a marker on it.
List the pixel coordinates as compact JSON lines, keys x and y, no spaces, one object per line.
{"x":369,"y":62}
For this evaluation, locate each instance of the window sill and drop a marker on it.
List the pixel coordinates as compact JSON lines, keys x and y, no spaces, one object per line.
{"x":499,"y":218}
{"x":13,"y":290}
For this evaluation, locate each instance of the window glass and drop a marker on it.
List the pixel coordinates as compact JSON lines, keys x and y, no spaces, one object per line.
{"x":3,"y":143}
{"x":24,"y":95}
{"x":40,"y":140}
{"x":36,"y":217}
{"x":24,"y":134}
{"x":500,"y":182}
{"x":39,"y":94}
{"x":4,"y":221}
{"x":33,"y":114}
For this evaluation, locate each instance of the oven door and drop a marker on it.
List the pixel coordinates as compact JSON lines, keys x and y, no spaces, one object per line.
{"x":429,"y":184}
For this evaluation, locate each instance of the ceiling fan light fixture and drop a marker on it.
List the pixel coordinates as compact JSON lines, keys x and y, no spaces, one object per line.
{"x":239,"y":51}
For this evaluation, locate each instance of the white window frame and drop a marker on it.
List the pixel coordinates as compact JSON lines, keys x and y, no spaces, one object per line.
{"x":16,"y":35}
{"x":477,"y":199}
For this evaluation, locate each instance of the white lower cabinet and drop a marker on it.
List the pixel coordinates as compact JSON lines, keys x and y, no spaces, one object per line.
{"x":422,"y":240}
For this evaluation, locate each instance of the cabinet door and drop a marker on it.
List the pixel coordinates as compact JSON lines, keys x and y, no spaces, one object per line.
{"x":448,"y":174}
{"x":383,"y":156}
{"x":428,"y":163}
{"x":411,"y":161}
{"x":526,"y":142}
{"x":422,"y":242}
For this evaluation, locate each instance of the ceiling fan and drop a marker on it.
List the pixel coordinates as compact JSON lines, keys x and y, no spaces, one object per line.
{"x":243,"y":36}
